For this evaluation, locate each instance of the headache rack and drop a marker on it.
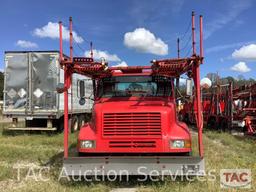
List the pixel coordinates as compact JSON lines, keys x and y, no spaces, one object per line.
{"x":172,"y":68}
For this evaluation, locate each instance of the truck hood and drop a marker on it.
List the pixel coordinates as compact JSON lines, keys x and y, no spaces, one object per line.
{"x":149,"y":112}
{"x":144,"y":105}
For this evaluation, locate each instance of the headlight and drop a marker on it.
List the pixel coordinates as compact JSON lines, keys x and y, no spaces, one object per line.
{"x":180,"y":144}
{"x":88,"y":144}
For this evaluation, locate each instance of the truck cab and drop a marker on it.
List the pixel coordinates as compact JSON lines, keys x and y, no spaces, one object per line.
{"x":134,"y":118}
{"x":134,"y":113}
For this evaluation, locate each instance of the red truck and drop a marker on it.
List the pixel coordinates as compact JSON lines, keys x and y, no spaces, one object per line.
{"x":134,"y":119}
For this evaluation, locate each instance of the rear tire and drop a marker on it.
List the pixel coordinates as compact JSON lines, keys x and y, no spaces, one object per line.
{"x":245,"y":130}
{"x":28,"y":123}
{"x":60,"y":125}
{"x":223,"y":125}
{"x":211,"y":124}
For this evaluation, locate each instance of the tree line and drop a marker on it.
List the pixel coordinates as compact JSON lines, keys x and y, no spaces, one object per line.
{"x":238,"y":81}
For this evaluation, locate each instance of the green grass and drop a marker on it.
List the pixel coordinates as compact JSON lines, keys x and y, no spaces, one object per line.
{"x":222,"y":150}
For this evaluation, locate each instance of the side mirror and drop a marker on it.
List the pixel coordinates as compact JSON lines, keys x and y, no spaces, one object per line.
{"x":189,"y":88}
{"x":81,"y":92}
{"x":82,"y":101}
{"x":81,"y":89}
{"x":60,"y":88}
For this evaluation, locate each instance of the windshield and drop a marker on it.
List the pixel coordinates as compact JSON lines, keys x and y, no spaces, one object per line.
{"x":135,"y":86}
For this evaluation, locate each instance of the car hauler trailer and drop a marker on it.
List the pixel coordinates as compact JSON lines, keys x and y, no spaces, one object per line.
{"x":244,"y":99}
{"x":30,"y":92}
{"x":226,"y":108}
{"x":134,"y":120}
{"x":217,"y":103}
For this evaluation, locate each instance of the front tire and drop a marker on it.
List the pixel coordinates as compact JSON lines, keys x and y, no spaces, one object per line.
{"x":81,"y":120}
{"x":75,"y":124}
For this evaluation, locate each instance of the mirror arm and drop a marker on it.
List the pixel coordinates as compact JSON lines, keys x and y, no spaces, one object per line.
{"x":61,"y":88}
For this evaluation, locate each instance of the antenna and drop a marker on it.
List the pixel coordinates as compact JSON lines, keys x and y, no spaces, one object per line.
{"x":61,"y":46}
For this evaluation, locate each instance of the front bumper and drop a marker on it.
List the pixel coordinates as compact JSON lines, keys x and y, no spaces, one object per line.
{"x":133,"y":165}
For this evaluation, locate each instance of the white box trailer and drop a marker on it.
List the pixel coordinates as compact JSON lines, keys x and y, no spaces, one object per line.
{"x":31,"y":78}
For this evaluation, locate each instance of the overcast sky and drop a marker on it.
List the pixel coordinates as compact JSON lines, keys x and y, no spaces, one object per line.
{"x":134,"y":32}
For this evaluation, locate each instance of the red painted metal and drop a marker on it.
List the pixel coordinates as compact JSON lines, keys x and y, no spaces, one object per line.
{"x":178,"y":47}
{"x":66,"y":128}
{"x":166,"y":67}
{"x":65,"y":141}
{"x":199,"y":115}
{"x":70,"y":39}
{"x":231,"y":115}
{"x":218,"y":105}
{"x":201,"y":37}
{"x":193,"y":34}
{"x":145,"y":124}
{"x":91,"y":49}
{"x":246,"y":110}
{"x":134,"y":126}
{"x":71,"y":60}
{"x":129,"y":110}
{"x":61,"y":48}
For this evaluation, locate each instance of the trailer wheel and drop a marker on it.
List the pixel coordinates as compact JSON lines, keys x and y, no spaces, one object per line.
{"x":60,"y":125}
{"x":28,"y":123}
{"x":245,"y":129}
{"x":75,"y":124}
{"x":223,"y":125}
{"x":211,"y":123}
